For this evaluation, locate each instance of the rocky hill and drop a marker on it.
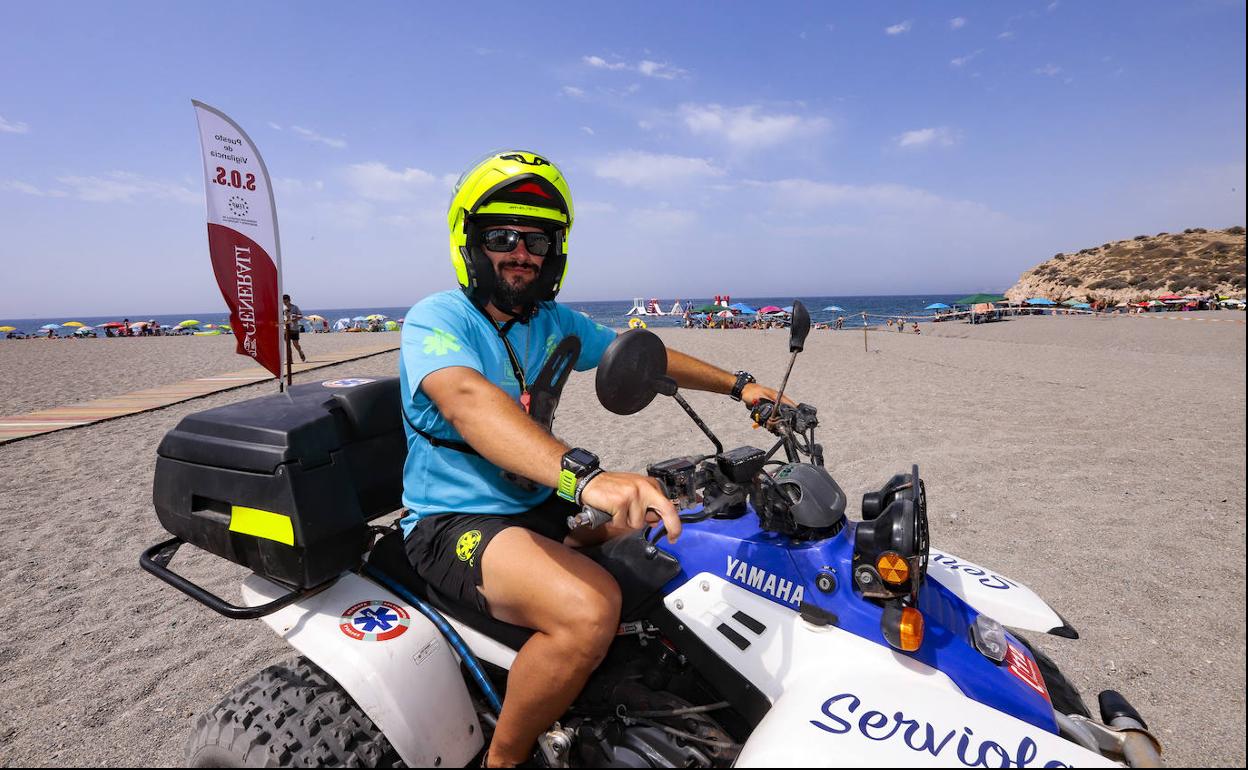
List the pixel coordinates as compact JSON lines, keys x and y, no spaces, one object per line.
{"x":1193,"y":261}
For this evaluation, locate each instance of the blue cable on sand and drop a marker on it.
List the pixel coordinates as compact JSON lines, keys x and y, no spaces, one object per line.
{"x":457,"y":641}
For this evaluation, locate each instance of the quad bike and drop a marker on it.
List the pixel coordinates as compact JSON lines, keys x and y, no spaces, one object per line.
{"x":776,"y":632}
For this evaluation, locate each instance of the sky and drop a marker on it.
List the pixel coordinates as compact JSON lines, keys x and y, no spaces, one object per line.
{"x":712,"y":148}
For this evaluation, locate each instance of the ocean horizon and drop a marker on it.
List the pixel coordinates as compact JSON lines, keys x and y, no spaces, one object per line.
{"x":606,"y":312}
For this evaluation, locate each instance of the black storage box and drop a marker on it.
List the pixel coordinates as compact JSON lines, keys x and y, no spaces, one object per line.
{"x":285,"y":484}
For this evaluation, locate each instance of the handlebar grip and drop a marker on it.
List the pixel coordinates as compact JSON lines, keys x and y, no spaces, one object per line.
{"x":589,"y":517}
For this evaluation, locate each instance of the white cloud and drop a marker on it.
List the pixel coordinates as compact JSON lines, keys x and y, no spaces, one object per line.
{"x":957,"y":22}
{"x":647,"y":67}
{"x":275,"y":126}
{"x":30,"y":189}
{"x":1048,"y":70}
{"x":809,"y":194}
{"x":927,"y":137}
{"x":573,"y":91}
{"x":377,"y":181}
{"x":664,"y":219}
{"x":747,"y":127}
{"x":312,"y":136}
{"x":125,"y":187}
{"x":899,"y":29}
{"x":12,"y":128}
{"x":292,"y":185}
{"x":1006,"y":35}
{"x":587,"y":130}
{"x":962,"y":61}
{"x":644,"y":169}
{"x":1053,"y":6}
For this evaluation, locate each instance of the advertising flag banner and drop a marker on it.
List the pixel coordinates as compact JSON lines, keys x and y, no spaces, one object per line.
{"x":242,"y":236}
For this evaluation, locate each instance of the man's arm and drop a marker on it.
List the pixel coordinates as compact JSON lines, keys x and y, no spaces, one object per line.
{"x":494,"y":425}
{"x":693,"y":374}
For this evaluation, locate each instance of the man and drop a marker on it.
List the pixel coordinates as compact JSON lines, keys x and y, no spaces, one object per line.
{"x":293,"y":314}
{"x":484,"y":525}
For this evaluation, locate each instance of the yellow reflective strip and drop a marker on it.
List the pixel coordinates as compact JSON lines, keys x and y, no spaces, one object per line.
{"x":265,"y":524}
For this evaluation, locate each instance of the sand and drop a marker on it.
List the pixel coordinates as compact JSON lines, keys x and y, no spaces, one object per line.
{"x":1100,"y":462}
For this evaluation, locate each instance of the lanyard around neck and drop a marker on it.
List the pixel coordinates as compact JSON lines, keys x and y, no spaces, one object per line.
{"x":516,"y":368}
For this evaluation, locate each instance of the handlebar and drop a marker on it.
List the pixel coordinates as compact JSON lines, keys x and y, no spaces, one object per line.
{"x":589,"y":517}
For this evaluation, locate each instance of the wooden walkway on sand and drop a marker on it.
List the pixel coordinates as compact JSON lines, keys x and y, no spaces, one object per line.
{"x":22,"y":426}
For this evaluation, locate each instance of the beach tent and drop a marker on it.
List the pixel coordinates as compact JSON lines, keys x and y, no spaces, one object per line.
{"x":1040,"y":301}
{"x":978,"y":299}
{"x":933,"y":306}
{"x":709,"y":309}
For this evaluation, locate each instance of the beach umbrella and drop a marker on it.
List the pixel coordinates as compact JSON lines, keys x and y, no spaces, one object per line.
{"x":1040,"y":301}
{"x":360,"y":318}
{"x":392,"y":326}
{"x":314,"y":317}
{"x":45,"y":327}
{"x":788,"y":308}
{"x":839,"y":309}
{"x":73,"y":323}
{"x":977,"y":299}
{"x":8,"y":328}
{"x":937,"y":306}
{"x":1070,"y":303}
{"x":212,"y":333}
{"x":1082,"y":306}
{"x":376,"y":317}
{"x":743,"y":308}
{"x":112,"y":325}
{"x":187,"y":323}
{"x":770,"y":309}
{"x":725,"y":314}
{"x":708,"y":309}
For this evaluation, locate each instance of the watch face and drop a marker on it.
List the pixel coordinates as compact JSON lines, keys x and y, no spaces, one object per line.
{"x":580,"y":457}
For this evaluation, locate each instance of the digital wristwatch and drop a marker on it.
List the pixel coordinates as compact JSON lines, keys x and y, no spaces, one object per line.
{"x":577,"y":467}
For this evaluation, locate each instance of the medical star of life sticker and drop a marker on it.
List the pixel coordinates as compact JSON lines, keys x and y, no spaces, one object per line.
{"x":374,"y":621}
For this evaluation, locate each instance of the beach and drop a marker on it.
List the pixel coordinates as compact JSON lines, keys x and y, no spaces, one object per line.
{"x":1099,"y":461}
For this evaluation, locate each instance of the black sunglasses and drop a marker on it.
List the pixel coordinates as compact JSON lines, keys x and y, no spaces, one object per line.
{"x":502,"y":241}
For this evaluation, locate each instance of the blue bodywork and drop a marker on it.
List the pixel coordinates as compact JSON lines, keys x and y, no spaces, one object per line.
{"x":784,"y":571}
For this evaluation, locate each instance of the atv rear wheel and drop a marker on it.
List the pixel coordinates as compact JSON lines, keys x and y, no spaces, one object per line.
{"x":288,"y":715}
{"x":1065,"y":698}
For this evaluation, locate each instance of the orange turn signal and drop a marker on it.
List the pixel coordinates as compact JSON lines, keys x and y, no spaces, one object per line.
{"x":893,"y":569}
{"x":911,"y":629}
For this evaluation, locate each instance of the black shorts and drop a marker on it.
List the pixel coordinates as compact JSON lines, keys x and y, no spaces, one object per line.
{"x":293,"y":336}
{"x":445,"y":549}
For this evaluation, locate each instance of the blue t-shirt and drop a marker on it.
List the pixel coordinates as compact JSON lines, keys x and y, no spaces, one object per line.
{"x":446,"y":329}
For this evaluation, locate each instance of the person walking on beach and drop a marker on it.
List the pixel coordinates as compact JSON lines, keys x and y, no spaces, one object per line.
{"x":293,"y":314}
{"x":485,"y":524}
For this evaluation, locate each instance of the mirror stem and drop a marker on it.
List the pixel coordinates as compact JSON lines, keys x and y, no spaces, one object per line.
{"x":780,"y":393}
{"x":719,"y":448}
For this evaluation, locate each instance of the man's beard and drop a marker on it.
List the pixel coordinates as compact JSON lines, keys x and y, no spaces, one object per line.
{"x":508,"y":296}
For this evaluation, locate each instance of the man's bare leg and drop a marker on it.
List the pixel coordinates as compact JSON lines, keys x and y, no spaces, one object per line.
{"x":573,"y":604}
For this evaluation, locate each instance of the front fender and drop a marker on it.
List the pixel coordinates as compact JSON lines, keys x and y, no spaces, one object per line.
{"x":1006,"y":601}
{"x":875,"y":717}
{"x":398,"y":669}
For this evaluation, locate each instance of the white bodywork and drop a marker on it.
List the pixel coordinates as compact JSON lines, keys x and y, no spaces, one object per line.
{"x":800,"y":666}
{"x":1006,"y":601}
{"x":409,"y":685}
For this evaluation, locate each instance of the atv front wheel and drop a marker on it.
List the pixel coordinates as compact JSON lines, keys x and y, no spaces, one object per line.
{"x":286,"y":716}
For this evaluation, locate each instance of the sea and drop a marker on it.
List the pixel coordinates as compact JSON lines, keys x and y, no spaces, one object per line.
{"x":612,"y":313}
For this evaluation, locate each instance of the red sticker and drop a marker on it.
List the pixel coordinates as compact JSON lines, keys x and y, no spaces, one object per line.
{"x":1022,"y":666}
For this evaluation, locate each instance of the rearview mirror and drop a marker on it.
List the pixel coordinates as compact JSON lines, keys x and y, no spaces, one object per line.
{"x":799,"y":327}
{"x":633,"y":370}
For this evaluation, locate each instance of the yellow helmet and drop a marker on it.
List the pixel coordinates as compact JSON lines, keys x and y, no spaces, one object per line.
{"x":508,"y":187}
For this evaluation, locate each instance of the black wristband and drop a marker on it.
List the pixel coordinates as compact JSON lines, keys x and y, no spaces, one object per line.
{"x":743,"y":379}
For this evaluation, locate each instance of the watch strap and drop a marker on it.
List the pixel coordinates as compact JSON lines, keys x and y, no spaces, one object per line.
{"x":743,"y":378}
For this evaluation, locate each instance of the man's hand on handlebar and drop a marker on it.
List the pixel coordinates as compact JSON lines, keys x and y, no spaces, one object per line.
{"x":633,"y":500}
{"x":751,"y":393}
